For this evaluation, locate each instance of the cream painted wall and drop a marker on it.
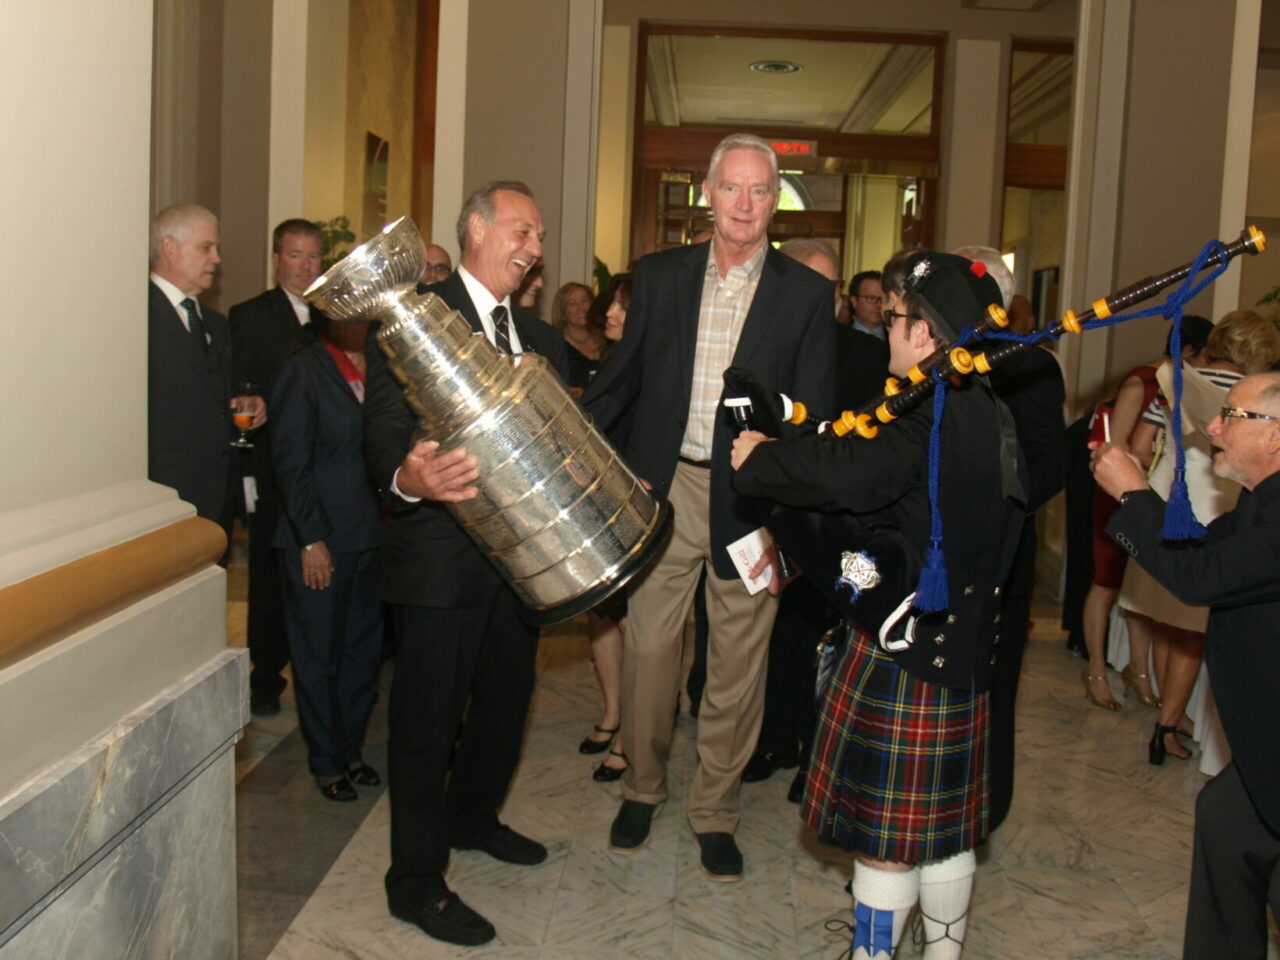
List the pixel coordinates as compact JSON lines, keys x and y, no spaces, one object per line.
{"x":973,"y":142}
{"x":246,"y":138}
{"x":613,"y":155}
{"x":75,"y":104}
{"x":380,"y":91}
{"x":324,"y":159}
{"x":515,"y":109}
{"x":1169,"y":200}
{"x":880,"y":223}
{"x":286,"y":155}
{"x":449,"y":183}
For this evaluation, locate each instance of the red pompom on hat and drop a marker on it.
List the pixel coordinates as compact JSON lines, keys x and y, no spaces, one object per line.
{"x":979,"y":268}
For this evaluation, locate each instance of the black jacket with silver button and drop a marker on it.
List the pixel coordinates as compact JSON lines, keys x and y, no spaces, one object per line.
{"x":884,"y":483}
{"x":1236,"y":573}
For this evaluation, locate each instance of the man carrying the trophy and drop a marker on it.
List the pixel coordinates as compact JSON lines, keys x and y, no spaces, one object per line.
{"x":464,"y":646}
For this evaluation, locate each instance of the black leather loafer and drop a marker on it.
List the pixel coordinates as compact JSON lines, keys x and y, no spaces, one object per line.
{"x":762,"y":766}
{"x":503,"y":843}
{"x":340,"y":791}
{"x":721,"y":858}
{"x":630,"y":829}
{"x":448,"y":919}
{"x":364,"y":775}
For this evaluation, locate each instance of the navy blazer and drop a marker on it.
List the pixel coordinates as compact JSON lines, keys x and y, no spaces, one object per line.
{"x":189,"y":428}
{"x":425,"y":558}
{"x":787,"y":341}
{"x":264,"y":330}
{"x":317,"y":456}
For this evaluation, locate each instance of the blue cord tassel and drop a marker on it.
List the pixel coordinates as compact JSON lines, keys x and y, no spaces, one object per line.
{"x":931,"y":591}
{"x":1179,"y":519}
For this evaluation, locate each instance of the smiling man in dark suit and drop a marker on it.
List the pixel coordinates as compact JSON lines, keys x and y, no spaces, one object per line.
{"x":464,"y":647}
{"x":263,"y":331}
{"x":695,"y":311}
{"x":189,"y":400}
{"x":1235,"y":571}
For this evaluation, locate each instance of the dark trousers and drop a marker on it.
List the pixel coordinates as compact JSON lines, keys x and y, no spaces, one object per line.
{"x":335,"y":639}
{"x":448,"y":777}
{"x":268,"y":646}
{"x":789,"y":705}
{"x":1003,"y":703}
{"x":1235,"y":854}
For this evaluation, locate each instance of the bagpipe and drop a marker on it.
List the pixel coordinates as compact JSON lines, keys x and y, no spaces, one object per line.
{"x":849,"y":562}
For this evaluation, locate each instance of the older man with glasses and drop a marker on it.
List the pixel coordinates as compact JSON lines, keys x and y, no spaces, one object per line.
{"x":1235,"y":571}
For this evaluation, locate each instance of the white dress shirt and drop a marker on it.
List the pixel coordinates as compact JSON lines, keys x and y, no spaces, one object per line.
{"x":175,"y":297}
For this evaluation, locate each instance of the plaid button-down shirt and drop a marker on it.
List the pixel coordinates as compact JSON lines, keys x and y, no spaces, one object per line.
{"x":725,"y":302}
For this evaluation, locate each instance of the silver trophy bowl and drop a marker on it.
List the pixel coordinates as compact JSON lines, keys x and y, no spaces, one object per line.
{"x":559,"y":514}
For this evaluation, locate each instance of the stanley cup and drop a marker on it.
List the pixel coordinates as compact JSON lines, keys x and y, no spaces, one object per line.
{"x":561,"y":517}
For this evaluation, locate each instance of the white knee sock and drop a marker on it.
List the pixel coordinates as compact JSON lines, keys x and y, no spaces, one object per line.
{"x":881,"y":901}
{"x":945,"y":889}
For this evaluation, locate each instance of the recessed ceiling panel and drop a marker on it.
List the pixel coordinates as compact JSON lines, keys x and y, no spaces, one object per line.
{"x":839,"y":86}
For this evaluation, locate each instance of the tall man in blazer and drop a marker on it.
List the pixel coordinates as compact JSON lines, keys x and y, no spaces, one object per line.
{"x":1235,"y":571}
{"x":189,"y":400}
{"x":463,"y":643}
{"x":263,"y":330}
{"x":694,"y":312}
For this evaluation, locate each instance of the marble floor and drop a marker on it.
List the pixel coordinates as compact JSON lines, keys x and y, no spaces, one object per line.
{"x":1091,"y":863}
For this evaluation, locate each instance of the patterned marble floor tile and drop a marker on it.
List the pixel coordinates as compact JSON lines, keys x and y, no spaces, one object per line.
{"x":1091,"y":862}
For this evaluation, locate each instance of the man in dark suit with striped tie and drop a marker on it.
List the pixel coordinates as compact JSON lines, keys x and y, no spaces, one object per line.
{"x":464,"y":646}
{"x":189,"y":400}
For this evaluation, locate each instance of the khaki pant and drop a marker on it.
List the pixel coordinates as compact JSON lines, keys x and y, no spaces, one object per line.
{"x":733,"y":701}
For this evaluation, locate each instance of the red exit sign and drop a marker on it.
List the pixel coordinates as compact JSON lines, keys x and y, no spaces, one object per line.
{"x":795,"y":148}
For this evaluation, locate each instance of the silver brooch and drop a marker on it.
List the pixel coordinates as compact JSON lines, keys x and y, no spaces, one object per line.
{"x":858,"y":572}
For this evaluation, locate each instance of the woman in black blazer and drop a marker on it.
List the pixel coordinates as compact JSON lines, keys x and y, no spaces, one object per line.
{"x":326,"y":541}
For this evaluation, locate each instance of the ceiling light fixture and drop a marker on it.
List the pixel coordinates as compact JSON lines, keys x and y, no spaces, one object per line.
{"x":776,"y":66}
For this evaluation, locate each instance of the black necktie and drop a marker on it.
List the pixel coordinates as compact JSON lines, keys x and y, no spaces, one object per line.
{"x":501,"y":329}
{"x":196,"y":322}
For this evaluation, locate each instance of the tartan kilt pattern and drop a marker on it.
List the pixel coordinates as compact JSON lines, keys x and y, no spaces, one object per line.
{"x":899,"y":766}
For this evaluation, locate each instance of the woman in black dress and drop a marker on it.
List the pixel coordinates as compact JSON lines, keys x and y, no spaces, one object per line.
{"x":571,"y":315}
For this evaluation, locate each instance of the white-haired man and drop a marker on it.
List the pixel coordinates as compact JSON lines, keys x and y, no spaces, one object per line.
{"x":695,"y":311}
{"x":189,"y":400}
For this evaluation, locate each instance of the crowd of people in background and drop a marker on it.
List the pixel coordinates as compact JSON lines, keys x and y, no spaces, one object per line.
{"x":905,"y":756}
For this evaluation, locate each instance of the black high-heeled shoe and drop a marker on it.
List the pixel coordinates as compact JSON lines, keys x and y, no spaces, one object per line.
{"x":592,"y":745}
{"x":1157,"y":751}
{"x":607,"y":774}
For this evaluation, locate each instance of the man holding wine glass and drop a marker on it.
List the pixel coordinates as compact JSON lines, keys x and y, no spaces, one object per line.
{"x":189,"y":396}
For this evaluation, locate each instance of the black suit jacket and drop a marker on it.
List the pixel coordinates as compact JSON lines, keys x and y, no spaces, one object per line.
{"x":317,"y":455}
{"x":787,"y":342}
{"x":425,"y":558}
{"x":264,"y":330}
{"x":189,"y":425}
{"x":862,"y":367}
{"x":884,"y":482}
{"x":1235,"y":571}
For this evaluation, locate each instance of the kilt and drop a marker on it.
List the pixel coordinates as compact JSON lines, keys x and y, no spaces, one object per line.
{"x":899,"y":766}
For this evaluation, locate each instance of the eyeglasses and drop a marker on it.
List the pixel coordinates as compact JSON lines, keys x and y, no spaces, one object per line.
{"x":891,"y":315}
{"x":439,"y":269}
{"x":1226,"y":413}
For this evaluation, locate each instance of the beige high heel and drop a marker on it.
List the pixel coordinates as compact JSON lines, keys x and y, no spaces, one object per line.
{"x":1088,"y":680}
{"x":1131,"y":679}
